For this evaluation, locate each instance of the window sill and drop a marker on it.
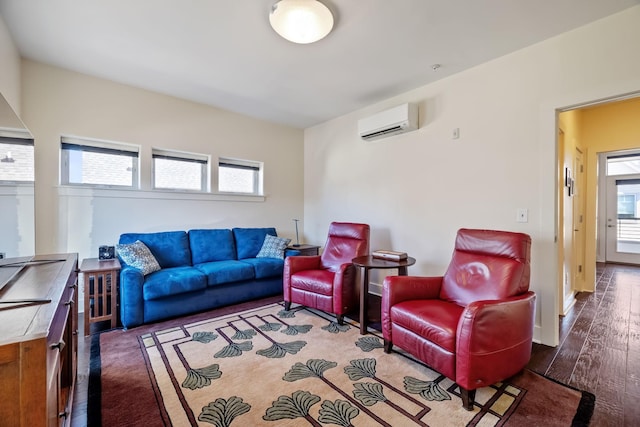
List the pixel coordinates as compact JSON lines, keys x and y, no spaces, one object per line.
{"x":13,"y":188}
{"x":119,"y":193}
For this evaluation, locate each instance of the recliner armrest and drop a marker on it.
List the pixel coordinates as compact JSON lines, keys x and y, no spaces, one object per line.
{"x":487,"y":326}
{"x":299,"y":263}
{"x":396,"y":289}
{"x":494,"y":340}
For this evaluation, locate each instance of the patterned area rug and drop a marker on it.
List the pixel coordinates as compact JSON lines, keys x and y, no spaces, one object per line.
{"x":265,"y":366}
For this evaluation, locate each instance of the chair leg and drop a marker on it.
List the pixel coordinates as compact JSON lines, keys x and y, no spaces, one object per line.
{"x":388,"y":345}
{"x":340,"y":319}
{"x":287,"y":305}
{"x":468,"y":397}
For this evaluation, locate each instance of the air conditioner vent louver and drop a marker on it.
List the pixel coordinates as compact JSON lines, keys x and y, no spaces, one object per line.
{"x":400,"y":119}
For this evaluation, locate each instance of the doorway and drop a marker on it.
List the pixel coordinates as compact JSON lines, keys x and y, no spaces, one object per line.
{"x":622,"y":232}
{"x":590,"y":229}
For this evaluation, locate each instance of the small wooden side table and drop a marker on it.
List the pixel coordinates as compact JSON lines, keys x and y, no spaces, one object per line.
{"x":367,"y":262}
{"x":306,"y":250}
{"x":100,"y":278}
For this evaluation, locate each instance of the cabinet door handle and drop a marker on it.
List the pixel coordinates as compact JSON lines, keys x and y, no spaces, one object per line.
{"x":63,"y":414}
{"x":59,"y":345}
{"x":69,"y":303}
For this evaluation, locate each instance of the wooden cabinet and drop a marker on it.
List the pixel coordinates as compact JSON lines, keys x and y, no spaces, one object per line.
{"x":100,"y":279}
{"x":38,"y":339}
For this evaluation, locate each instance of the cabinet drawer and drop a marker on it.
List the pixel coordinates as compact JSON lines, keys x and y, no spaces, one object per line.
{"x":56,"y":340}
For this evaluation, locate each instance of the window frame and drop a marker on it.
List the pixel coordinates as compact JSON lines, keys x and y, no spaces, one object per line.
{"x":257,"y":167}
{"x":203,"y":159}
{"x":73,"y":143}
{"x":16,"y":140}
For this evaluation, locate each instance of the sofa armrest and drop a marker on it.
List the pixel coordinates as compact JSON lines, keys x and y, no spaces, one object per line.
{"x":494,"y":340}
{"x":131,"y":297}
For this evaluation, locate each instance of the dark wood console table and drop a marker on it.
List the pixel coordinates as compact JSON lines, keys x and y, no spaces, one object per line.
{"x":367,"y":262}
{"x":306,"y":250}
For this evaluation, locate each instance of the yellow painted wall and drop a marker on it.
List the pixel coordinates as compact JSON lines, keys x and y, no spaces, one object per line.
{"x":610,"y":127}
{"x":570,"y":123}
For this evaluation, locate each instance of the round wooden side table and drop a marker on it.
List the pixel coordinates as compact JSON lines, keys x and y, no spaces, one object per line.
{"x":366,"y":263}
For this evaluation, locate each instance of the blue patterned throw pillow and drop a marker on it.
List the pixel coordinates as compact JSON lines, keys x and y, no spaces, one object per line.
{"x":273,"y":247}
{"x":138,"y":255}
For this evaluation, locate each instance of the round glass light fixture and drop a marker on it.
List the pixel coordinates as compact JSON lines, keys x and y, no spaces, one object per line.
{"x":301,"y":21}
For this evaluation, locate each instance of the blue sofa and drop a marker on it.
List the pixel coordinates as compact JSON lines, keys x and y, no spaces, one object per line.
{"x":200,"y":270}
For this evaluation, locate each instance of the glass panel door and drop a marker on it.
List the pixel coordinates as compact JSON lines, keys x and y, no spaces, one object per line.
{"x":623,"y":219}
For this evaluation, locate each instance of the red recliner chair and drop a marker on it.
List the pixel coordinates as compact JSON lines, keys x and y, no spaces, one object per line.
{"x":328,"y":282}
{"x":475,"y":324}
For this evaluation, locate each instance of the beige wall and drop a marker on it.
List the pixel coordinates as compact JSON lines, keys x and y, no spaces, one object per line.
{"x":58,"y":102}
{"x":10,"y":68}
{"x":417,"y":189}
{"x":16,"y":201}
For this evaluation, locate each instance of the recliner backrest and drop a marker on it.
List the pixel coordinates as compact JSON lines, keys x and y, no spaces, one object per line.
{"x":487,"y":265}
{"x":346,"y":240}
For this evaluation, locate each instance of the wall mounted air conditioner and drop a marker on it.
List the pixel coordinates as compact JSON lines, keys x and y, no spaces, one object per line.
{"x":400,"y":119}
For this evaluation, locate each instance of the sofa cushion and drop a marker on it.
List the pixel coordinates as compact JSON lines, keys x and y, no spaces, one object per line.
{"x":219,"y":272}
{"x":250,"y":240}
{"x":173,"y":281}
{"x":273,"y":247}
{"x":211,"y":245}
{"x":265,"y":267}
{"x":170,"y":248}
{"x":138,"y":255}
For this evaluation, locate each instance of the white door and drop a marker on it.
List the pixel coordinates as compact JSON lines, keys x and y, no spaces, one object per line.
{"x":623,"y":219}
{"x":577,"y":227}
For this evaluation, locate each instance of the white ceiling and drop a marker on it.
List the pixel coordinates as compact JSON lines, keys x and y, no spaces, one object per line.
{"x":224,"y":53}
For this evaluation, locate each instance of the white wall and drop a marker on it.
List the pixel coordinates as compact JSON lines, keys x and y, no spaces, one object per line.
{"x":16,"y":201}
{"x":10,"y":69}
{"x":417,"y":189}
{"x":58,"y":102}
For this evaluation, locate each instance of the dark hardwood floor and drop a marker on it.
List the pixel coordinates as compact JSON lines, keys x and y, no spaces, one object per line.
{"x":599,"y":349}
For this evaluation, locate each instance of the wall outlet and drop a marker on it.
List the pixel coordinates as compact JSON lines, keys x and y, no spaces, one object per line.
{"x":455,"y":134}
{"x":522,"y":215}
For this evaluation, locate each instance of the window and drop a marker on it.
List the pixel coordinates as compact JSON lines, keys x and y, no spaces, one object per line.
{"x":98,"y":163}
{"x":623,"y":164}
{"x":626,"y":205}
{"x":16,"y":159}
{"x":174,"y":170}
{"x":239,"y":176}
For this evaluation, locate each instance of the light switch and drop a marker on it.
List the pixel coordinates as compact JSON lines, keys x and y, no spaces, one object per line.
{"x":522,"y":215}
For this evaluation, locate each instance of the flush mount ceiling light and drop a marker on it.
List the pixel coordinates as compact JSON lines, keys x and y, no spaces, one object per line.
{"x":301,"y":21}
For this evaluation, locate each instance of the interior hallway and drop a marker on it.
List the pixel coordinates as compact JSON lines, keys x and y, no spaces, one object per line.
{"x":599,"y":347}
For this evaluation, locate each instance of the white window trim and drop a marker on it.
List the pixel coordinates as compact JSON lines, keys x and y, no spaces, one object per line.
{"x":101,"y":144}
{"x":16,"y":136}
{"x":258,"y":184}
{"x":122,"y":193}
{"x":184,"y":156}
